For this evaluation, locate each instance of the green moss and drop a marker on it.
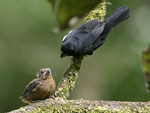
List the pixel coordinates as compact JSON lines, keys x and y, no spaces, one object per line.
{"x":97,"y":13}
{"x":22,"y":110}
{"x":59,"y":105}
{"x":69,"y":78}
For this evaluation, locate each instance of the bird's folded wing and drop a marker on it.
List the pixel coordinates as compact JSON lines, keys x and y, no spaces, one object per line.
{"x":90,"y":25}
{"x":98,"y":29}
{"x":96,"y":33}
{"x":32,"y":86}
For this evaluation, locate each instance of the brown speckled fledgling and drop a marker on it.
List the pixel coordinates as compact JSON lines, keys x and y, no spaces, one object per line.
{"x":40,"y":88}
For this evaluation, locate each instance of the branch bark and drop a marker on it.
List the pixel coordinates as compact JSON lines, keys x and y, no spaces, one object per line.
{"x":61,"y":105}
{"x":69,"y":78}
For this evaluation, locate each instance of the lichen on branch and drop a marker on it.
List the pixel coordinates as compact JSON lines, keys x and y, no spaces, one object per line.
{"x":98,"y":12}
{"x":69,"y":78}
{"x":59,"y":105}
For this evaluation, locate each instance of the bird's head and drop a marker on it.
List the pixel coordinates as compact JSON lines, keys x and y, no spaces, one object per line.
{"x":44,"y":73}
{"x":68,"y":48}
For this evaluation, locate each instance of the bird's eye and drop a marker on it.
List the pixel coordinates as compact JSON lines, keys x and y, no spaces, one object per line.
{"x":42,"y":72}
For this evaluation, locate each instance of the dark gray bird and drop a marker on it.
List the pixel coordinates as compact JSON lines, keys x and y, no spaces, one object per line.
{"x":89,"y":36}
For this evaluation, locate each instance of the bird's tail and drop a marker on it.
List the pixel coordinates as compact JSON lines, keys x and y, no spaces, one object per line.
{"x":121,"y":14}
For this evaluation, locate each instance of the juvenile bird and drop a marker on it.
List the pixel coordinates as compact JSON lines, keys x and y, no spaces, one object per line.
{"x":40,"y":88}
{"x":89,"y":36}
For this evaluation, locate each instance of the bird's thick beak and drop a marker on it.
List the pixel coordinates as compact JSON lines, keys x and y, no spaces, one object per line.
{"x":48,"y":71}
{"x":62,"y":54}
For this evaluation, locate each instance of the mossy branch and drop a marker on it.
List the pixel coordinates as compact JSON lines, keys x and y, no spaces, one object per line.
{"x":69,"y":78}
{"x":98,"y":12}
{"x":59,"y":105}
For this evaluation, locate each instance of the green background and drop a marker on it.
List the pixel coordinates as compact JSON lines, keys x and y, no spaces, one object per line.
{"x":28,"y":43}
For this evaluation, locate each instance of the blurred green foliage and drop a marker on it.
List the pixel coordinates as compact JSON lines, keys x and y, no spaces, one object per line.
{"x":146,"y":60}
{"x":146,"y":66}
{"x":28,"y":43}
{"x":66,"y":9}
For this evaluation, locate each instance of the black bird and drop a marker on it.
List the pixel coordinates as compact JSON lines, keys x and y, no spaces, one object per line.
{"x":89,"y":36}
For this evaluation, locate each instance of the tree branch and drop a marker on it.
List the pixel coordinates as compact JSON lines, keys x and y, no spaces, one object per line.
{"x":69,"y":78}
{"x":61,"y":105}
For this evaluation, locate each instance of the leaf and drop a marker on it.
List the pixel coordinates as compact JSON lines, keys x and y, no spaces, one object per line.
{"x":67,"y":9}
{"x":53,"y":2}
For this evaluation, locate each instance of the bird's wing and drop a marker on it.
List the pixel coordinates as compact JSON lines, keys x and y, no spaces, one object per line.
{"x":90,"y":25}
{"x":84,"y":28}
{"x":98,"y":29}
{"x":96,"y":32}
{"x":32,"y":86}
